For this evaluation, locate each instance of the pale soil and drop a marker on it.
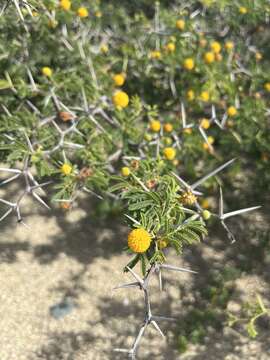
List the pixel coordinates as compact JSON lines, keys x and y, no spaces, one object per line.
{"x":70,"y":255}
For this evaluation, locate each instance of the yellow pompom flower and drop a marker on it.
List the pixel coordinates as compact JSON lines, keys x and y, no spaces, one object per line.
{"x":155,"y":54}
{"x":155,"y":125}
{"x":119,"y":79}
{"x":204,"y":96}
{"x":188,"y":198}
{"x":229,"y":45}
{"x":66,"y":169}
{"x":65,"y":4}
{"x":190,"y":95}
{"x":216,"y":47}
{"x":267,"y":86}
{"x":180,"y":24}
{"x":169,"y":153}
{"x":209,"y":57}
{"x":168,"y":127}
{"x":232,"y":111}
{"x":120,"y":99}
{"x":139,"y":240}
{"x":104,"y":48}
{"x":82,"y":12}
{"x":125,"y":171}
{"x":189,"y":64}
{"x":205,"y":124}
{"x":170,"y":47}
{"x":243,"y":10}
{"x":47,"y":71}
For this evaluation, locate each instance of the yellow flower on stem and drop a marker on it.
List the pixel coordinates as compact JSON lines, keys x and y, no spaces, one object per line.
{"x":155,"y":125}
{"x":243,"y":10}
{"x":104,"y":48}
{"x":170,"y":47}
{"x":120,"y":99}
{"x":229,"y":45}
{"x":119,"y":79}
{"x":169,"y":153}
{"x":139,"y":240}
{"x":125,"y":171}
{"x":232,"y":111}
{"x":216,"y":47}
{"x":66,"y":169}
{"x":47,"y":71}
{"x":155,"y":54}
{"x":168,"y":127}
{"x":204,"y":96}
{"x":189,"y":64}
{"x":180,"y":24}
{"x":209,"y":57}
{"x":205,"y":124}
{"x":190,"y":95}
{"x":65,"y":4}
{"x":82,"y":12}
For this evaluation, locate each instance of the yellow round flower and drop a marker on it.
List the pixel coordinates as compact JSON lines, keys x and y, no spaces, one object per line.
{"x":189,"y":64}
{"x":119,"y":79}
{"x":65,"y":4}
{"x":120,"y":99}
{"x":46,"y":71}
{"x":243,"y":10}
{"x":155,"y":54}
{"x":139,"y":240}
{"x":188,"y":198}
{"x":169,"y":153}
{"x":104,"y":48}
{"x":66,"y":169}
{"x":216,"y":47}
{"x":205,"y":124}
{"x":168,"y":127}
{"x":155,"y":125}
{"x":82,"y":12}
{"x":170,"y":47}
{"x":231,"y":111}
{"x":209,"y":57}
{"x":267,"y":86}
{"x":180,"y":24}
{"x":204,"y":96}
{"x":229,"y":45}
{"x":125,"y":171}
{"x":190,"y":95}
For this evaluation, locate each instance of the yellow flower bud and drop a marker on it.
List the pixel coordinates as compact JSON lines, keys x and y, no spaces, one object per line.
{"x":169,"y":153}
{"x":189,"y":64}
{"x":120,"y":99}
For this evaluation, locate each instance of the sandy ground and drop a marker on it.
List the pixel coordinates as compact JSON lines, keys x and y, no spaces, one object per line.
{"x":68,"y":255}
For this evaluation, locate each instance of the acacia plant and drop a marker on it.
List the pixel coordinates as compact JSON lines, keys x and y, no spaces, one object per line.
{"x":134,"y":105}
